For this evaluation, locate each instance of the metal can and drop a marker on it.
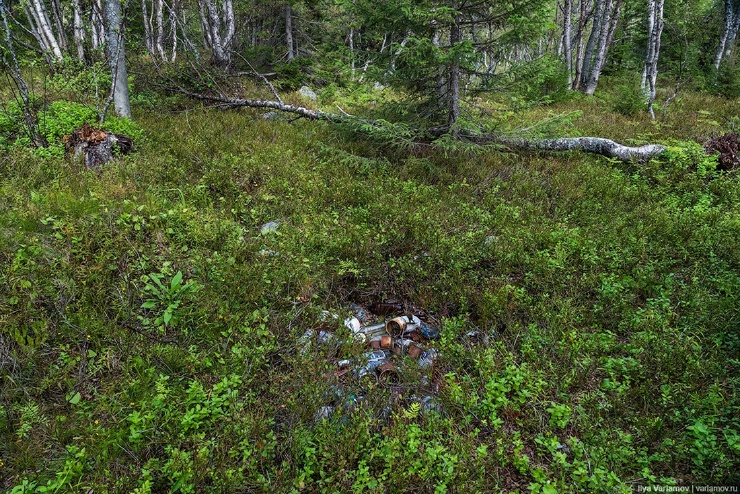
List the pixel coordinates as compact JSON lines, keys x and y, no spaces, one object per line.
{"x":396,"y":327}
{"x":386,"y":342}
{"x":415,"y":351}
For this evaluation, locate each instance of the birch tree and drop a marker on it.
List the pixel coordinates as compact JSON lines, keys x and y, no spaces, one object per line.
{"x":41,"y":28}
{"x":288,"y":10}
{"x":155,"y":26}
{"x":97,"y":25}
{"x":605,"y":20}
{"x":78,"y":33}
{"x":567,"y":41}
{"x":730,"y":28}
{"x":218,"y":29}
{"x":10,"y":60}
{"x":650,"y":71}
{"x":117,"y":56}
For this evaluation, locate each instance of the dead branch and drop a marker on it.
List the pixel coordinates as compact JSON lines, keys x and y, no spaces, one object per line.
{"x":595,"y":145}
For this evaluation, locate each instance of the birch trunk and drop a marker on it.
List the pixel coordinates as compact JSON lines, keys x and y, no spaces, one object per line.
{"x":117,"y":56}
{"x":78,"y":31}
{"x":56,"y":10}
{"x":567,"y":40}
{"x":650,"y":72}
{"x":36,"y":11}
{"x":219,"y":42}
{"x":159,"y":15}
{"x":607,"y":26}
{"x":729,"y":31}
{"x":15,"y":74}
{"x":97,"y":33}
{"x":583,"y":16}
{"x":596,"y":145}
{"x":289,"y":32}
{"x":147,"y":22}
{"x":598,"y":61}
{"x":453,"y":106}
{"x":588,"y":53}
{"x":174,"y":16}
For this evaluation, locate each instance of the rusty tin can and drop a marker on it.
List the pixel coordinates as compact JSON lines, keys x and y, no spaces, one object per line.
{"x":397,"y":326}
{"x":415,"y":351}
{"x":386,"y":342}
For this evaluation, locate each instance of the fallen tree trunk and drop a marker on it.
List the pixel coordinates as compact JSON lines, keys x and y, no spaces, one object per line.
{"x":596,"y":145}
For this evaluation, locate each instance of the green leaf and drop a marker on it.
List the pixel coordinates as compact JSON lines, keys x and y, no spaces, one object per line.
{"x":176,"y":281}
{"x":167,"y":316}
{"x":149,"y":304}
{"x":156,"y":279}
{"x":75,"y":399}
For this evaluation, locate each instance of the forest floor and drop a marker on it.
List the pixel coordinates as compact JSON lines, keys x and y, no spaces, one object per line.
{"x":153,"y":333}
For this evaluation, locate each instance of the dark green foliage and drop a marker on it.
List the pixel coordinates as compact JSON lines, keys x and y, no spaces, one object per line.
{"x":151,"y":333}
{"x":294,"y":74}
{"x":628,"y":98}
{"x":728,"y":78}
{"x":541,"y":81}
{"x":56,"y":120}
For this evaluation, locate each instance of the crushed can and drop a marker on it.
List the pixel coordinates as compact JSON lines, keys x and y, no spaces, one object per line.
{"x":415,"y":351}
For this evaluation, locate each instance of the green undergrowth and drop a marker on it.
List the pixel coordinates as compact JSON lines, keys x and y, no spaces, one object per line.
{"x":150,"y":331}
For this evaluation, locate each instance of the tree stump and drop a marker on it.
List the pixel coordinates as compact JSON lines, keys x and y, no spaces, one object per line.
{"x":728,"y":147}
{"x":97,"y":147}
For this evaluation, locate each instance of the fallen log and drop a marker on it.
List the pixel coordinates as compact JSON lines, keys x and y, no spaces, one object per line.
{"x":596,"y":145}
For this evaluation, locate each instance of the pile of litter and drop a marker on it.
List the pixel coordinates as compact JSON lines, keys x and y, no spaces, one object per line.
{"x":385,"y":341}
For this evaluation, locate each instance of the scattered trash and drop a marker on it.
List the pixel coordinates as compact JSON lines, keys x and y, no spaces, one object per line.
{"x":386,"y":308}
{"x":477,"y":337}
{"x":430,"y":332}
{"x":323,"y":413}
{"x":360,"y":313}
{"x":426,"y":359}
{"x":307,"y":92}
{"x":320,"y":337}
{"x":270,"y":226}
{"x":387,"y":340}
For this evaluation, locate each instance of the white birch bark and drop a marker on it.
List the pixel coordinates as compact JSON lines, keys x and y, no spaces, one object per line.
{"x":97,"y":32}
{"x":159,"y":16}
{"x":174,"y":16}
{"x":38,"y":16}
{"x":56,"y":10}
{"x":650,"y":71}
{"x":147,"y":22}
{"x":78,"y":31}
{"x":117,"y":55}
{"x":605,"y":26}
{"x":567,"y":39}
{"x":588,"y":53}
{"x":218,"y":29}
{"x":729,"y":31}
{"x":289,"y":34}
